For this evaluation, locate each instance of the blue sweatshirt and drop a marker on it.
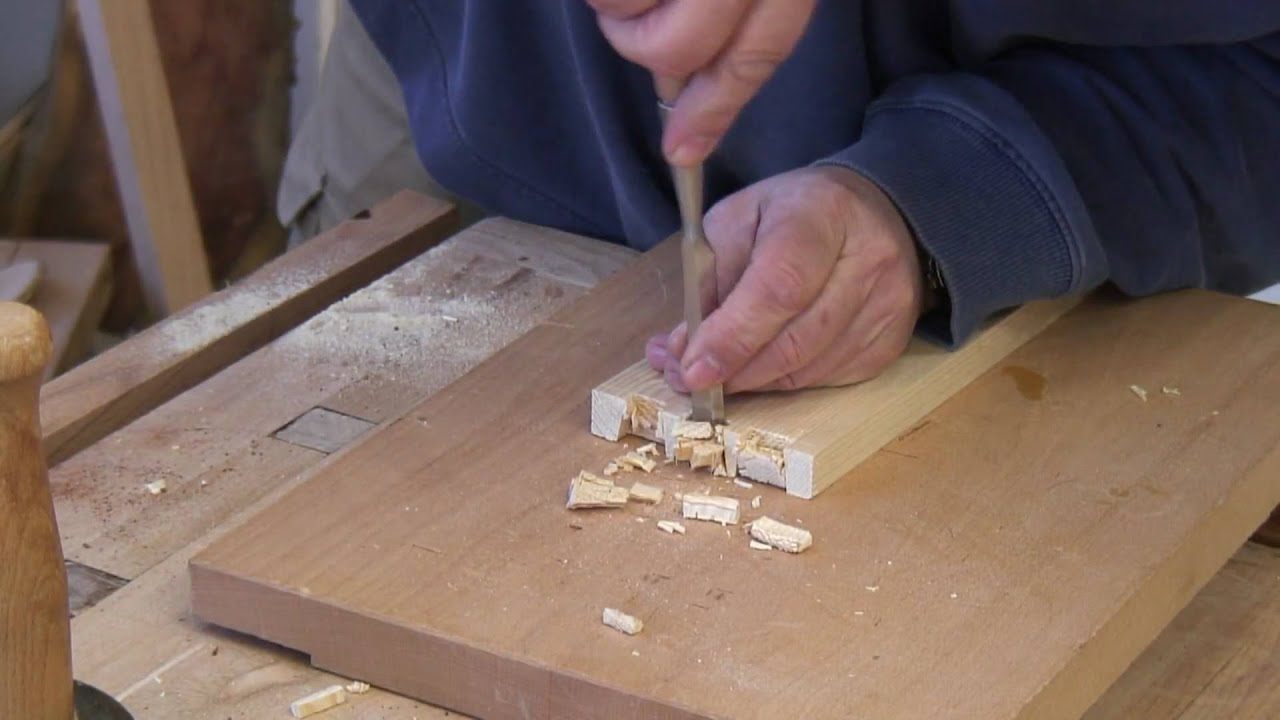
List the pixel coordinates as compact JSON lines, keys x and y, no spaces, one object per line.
{"x":1036,"y":148}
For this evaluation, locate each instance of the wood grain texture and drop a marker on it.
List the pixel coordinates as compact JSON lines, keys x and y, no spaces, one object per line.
{"x":144,"y":630}
{"x":1009,"y":558}
{"x":150,"y":170}
{"x":1218,"y":659}
{"x":823,"y":433}
{"x":35,"y":642}
{"x":123,"y":383}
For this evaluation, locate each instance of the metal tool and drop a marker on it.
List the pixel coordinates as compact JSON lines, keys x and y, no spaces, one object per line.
{"x":35,"y":662}
{"x":698,"y":266}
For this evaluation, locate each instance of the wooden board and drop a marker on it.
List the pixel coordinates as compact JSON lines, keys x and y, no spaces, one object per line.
{"x":143,"y":632}
{"x":150,"y":170}
{"x":72,"y":293}
{"x":125,"y":382}
{"x":498,"y":278}
{"x":814,"y":437}
{"x":1008,"y":558}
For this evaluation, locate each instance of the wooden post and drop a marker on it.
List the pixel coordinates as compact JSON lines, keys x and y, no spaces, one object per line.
{"x":155,"y":190}
{"x":35,"y":626}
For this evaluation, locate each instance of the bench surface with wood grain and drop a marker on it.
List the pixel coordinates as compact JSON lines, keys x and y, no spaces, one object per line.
{"x":258,"y":422}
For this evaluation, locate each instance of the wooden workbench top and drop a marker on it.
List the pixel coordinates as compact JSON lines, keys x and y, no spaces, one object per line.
{"x":233,"y":443}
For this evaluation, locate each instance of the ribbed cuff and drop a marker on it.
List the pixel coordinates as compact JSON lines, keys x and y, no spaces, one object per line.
{"x":995,"y":208}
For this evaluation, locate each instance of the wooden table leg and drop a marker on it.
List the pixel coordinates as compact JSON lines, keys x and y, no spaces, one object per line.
{"x":35,"y":629}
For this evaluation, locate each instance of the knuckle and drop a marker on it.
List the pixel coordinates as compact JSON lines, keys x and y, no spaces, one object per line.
{"x":790,"y":381}
{"x":751,"y":67}
{"x":786,"y":288}
{"x":789,"y":350}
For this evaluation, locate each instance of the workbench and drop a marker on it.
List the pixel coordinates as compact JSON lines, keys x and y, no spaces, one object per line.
{"x":237,"y":400}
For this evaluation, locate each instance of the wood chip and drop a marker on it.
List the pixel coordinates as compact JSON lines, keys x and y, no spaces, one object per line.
{"x":318,"y":701}
{"x":646,"y":493}
{"x":1140,"y":391}
{"x":780,"y":535}
{"x":637,"y":461}
{"x":743,"y":484}
{"x":650,"y":450}
{"x":356,"y":687}
{"x":706,"y":455}
{"x":714,"y":508}
{"x":157,"y":487}
{"x":1170,"y":390}
{"x":694,"y":430}
{"x":757,"y":545}
{"x":642,"y":413}
{"x":755,"y":502}
{"x":671,"y":526}
{"x":611,"y":469}
{"x":621,"y":621}
{"x":592,"y":491}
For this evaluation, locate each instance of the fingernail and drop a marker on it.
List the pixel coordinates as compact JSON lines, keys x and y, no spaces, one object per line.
{"x":703,"y":373}
{"x":691,"y":151}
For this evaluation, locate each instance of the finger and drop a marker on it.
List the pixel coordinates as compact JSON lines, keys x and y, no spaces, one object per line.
{"x":677,"y":340}
{"x":811,"y":334}
{"x":715,"y":96}
{"x":655,"y":352}
{"x":731,"y":227}
{"x":622,"y":9}
{"x":789,"y":267}
{"x":877,"y":336}
{"x":676,"y":38}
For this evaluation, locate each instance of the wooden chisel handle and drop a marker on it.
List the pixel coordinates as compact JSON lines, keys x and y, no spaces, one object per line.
{"x":35,"y":629}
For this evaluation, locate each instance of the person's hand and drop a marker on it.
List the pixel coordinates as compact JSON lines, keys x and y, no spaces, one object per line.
{"x":720,"y":51}
{"x":819,"y":284}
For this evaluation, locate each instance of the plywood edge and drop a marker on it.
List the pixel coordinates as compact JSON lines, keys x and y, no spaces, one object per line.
{"x":107,"y":392}
{"x":418,"y":663}
{"x":1168,"y":588}
{"x":806,"y":441}
{"x":872,"y":414}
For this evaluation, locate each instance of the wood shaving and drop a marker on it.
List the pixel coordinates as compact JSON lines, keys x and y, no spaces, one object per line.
{"x":1140,"y":391}
{"x":671,"y":526}
{"x":714,"y":508}
{"x":706,"y":454}
{"x":621,"y":621}
{"x":643,"y":414}
{"x":592,"y":491}
{"x":641,"y":492}
{"x":637,"y":461}
{"x":356,"y":687}
{"x":780,"y":535}
{"x":318,"y":701}
{"x":757,"y":545}
{"x":1170,"y":390}
{"x":694,"y":430}
{"x":157,"y":487}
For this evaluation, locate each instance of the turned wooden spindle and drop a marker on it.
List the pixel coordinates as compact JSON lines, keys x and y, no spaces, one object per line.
{"x":35,"y":629}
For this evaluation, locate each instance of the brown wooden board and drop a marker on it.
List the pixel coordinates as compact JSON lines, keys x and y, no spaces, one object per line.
{"x":125,"y":382}
{"x":1009,"y":557}
{"x":375,"y":353}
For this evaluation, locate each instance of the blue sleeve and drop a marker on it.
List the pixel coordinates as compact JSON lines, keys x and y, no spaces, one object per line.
{"x":1052,"y":168}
